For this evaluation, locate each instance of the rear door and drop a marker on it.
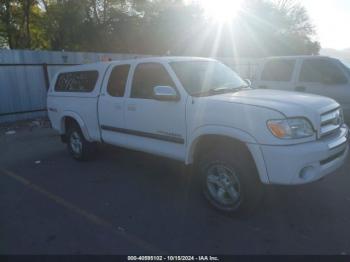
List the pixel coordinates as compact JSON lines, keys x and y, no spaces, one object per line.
{"x":325,"y":77}
{"x":277,"y":74}
{"x":111,"y":106}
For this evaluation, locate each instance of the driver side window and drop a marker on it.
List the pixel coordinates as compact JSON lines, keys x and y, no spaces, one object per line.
{"x":146,"y":77}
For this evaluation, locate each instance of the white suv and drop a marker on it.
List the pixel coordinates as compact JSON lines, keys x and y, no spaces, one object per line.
{"x":310,"y":74}
{"x":198,"y":111}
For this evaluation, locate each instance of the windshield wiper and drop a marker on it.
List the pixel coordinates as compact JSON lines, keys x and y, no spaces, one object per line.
{"x":227,"y":89}
{"x":215,"y":91}
{"x":243,"y":87}
{"x":221,"y":89}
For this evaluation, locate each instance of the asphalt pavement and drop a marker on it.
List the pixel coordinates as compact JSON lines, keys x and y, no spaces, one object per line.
{"x":126,"y":202}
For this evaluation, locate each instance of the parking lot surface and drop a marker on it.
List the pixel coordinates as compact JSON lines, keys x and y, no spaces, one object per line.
{"x":126,"y":202}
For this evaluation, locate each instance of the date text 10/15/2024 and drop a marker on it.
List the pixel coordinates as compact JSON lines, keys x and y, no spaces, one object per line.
{"x":173,"y":258}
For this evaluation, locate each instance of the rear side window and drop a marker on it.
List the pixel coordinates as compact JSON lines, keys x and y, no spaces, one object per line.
{"x":81,"y":81}
{"x":321,"y":71}
{"x":146,"y":77}
{"x":278,"y":70}
{"x":117,"y":80}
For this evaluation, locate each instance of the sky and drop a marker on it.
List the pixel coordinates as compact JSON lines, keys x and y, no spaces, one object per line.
{"x":332,"y":21}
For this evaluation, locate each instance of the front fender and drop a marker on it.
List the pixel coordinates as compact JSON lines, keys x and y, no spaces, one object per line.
{"x":233,"y":133}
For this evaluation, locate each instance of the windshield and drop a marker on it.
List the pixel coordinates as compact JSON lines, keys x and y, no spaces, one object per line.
{"x":206,"y":77}
{"x":346,"y":66}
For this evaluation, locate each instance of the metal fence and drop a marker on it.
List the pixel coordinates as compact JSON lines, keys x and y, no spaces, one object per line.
{"x":245,"y":67}
{"x":25,"y":77}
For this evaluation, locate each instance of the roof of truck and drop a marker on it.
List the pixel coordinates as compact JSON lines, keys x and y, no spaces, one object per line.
{"x":162,"y":59}
{"x":104,"y":65}
{"x":299,"y":57}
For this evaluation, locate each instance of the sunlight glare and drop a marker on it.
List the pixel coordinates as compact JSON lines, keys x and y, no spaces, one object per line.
{"x":221,"y":10}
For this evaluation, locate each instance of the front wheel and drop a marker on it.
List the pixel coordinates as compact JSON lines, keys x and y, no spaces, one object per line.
{"x":230,"y":182}
{"x":78,"y":146}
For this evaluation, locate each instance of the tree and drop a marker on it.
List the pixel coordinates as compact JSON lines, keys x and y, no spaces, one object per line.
{"x":6,"y":23}
{"x":159,"y":27}
{"x":266,"y":28}
{"x":263,"y":28}
{"x":19,"y":20}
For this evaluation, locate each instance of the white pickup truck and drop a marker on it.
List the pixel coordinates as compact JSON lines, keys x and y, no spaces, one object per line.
{"x":200,"y":112}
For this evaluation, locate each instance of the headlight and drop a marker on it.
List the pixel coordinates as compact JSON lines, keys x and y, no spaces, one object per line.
{"x":290,"y":128}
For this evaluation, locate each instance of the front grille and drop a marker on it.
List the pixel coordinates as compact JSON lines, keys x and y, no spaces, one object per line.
{"x":330,"y":122}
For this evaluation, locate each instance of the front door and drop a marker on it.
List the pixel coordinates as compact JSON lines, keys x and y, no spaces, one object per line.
{"x":155,"y":126}
{"x":277,"y":74}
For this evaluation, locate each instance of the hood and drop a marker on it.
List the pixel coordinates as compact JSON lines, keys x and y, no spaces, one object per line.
{"x":290,"y":104}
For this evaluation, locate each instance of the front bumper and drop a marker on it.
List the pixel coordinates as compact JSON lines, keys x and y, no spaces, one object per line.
{"x":307,"y":162}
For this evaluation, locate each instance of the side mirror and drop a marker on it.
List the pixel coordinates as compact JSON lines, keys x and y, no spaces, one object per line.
{"x":165,"y":93}
{"x":248,"y":82}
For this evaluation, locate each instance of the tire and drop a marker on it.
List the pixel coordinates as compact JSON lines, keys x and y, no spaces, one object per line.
{"x":79,"y":148}
{"x":229,"y":181}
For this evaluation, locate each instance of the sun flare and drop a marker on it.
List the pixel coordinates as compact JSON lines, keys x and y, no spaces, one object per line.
{"x":221,"y":10}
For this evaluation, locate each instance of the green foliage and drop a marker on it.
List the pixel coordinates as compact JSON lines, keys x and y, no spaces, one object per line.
{"x":266,"y":28}
{"x":159,"y":27}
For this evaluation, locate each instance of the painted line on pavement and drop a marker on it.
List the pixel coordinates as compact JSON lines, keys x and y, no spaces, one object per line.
{"x":87,"y":215}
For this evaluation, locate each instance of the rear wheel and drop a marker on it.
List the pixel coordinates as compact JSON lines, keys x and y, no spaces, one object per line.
{"x":229,"y":181}
{"x":78,"y":146}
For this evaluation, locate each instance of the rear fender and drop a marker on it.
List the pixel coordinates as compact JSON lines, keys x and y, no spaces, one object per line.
{"x":78,"y":119}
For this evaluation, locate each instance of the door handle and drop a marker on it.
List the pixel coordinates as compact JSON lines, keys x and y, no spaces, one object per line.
{"x":131,"y":107}
{"x":263,"y":87}
{"x":300,"y":88}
